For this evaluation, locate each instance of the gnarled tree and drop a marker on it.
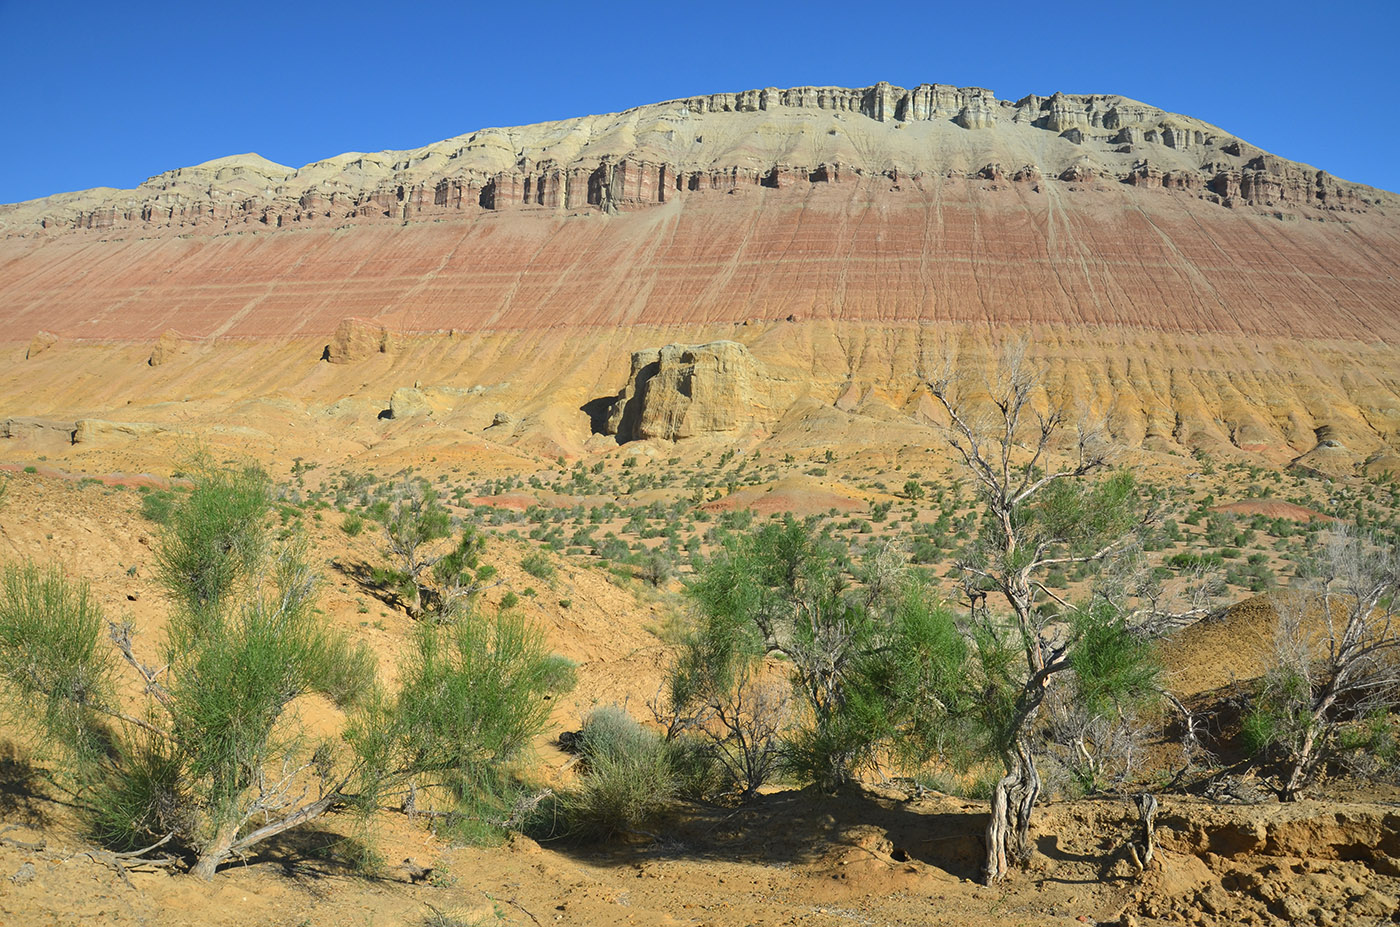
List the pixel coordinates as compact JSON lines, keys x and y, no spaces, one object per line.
{"x":1337,"y":657}
{"x":1039,"y":515}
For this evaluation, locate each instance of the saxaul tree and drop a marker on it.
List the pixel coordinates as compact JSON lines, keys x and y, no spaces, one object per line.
{"x":1040,"y":512}
{"x":1337,"y":657}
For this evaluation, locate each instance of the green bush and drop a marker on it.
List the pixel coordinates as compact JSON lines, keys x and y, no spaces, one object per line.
{"x":214,"y":538}
{"x":53,"y":667}
{"x":157,"y":506}
{"x":628,"y":781}
{"x":538,"y":565}
{"x":474,"y":694}
{"x":353,"y":524}
{"x":202,"y":759}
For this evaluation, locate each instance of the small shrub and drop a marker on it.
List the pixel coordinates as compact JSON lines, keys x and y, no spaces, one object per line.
{"x":353,"y":524}
{"x":157,"y":506}
{"x":537,"y":565}
{"x":628,"y":780}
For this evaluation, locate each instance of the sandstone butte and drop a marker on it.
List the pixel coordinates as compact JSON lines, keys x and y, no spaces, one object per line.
{"x":1196,"y":291}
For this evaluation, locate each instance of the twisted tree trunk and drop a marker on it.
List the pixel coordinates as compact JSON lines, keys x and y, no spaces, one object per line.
{"x":216,"y":851}
{"x":1008,"y":831}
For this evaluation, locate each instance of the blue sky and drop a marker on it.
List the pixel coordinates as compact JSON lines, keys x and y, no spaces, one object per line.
{"x":110,"y":93}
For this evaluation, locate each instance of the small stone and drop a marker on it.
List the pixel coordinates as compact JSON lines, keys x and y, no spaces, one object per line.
{"x":24,"y":875}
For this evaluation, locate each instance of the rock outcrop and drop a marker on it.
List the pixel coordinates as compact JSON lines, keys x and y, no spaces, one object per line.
{"x":679,"y":146}
{"x":408,"y":402}
{"x":40,"y":343}
{"x":38,"y":430}
{"x":356,"y":340}
{"x":681,"y":391}
{"x":170,"y":344}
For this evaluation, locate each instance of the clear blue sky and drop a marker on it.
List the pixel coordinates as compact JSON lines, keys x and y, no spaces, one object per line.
{"x":109,"y":93}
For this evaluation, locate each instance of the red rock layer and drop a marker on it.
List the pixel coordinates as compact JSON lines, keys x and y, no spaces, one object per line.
{"x":923,"y":248}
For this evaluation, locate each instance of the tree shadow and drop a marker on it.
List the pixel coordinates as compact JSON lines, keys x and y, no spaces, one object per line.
{"x":22,"y":799}
{"x":307,"y":855}
{"x":801,"y":827}
{"x":1103,"y":863}
{"x":363,"y":575}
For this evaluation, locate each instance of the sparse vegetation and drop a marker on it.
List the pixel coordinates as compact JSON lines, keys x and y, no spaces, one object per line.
{"x":213,"y":761}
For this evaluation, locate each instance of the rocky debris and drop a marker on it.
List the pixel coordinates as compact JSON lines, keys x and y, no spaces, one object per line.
{"x":407,"y":402}
{"x":24,"y":875}
{"x":680,"y":391}
{"x":170,"y":344}
{"x":40,"y":343}
{"x":356,"y":340}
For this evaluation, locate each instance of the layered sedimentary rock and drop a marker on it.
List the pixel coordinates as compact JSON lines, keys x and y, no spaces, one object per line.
{"x":680,"y":391}
{"x":827,"y":219}
{"x":649,"y":155}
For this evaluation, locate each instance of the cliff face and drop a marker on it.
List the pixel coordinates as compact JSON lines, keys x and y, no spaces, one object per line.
{"x":770,"y":137}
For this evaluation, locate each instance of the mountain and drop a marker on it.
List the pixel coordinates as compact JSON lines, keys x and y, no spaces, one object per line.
{"x":1199,"y":291}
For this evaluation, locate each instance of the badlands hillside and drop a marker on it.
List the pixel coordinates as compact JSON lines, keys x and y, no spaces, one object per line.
{"x":1199,"y":292}
{"x":613,"y":344}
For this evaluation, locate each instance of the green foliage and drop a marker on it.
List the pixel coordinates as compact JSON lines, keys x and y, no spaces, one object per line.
{"x":459,"y":566}
{"x":629,"y":777}
{"x":142,"y":796}
{"x":1114,"y":669}
{"x":538,"y":565}
{"x":234,"y":674}
{"x":917,"y":691}
{"x":353,"y":524}
{"x":782,"y":590}
{"x":157,"y":506}
{"x":473,"y":695}
{"x":1084,"y":515}
{"x":214,"y":537}
{"x":205,"y":759}
{"x":53,"y":669}
{"x":1280,"y":716}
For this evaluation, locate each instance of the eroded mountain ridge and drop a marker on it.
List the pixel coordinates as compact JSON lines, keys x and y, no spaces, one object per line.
{"x":768,"y":137}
